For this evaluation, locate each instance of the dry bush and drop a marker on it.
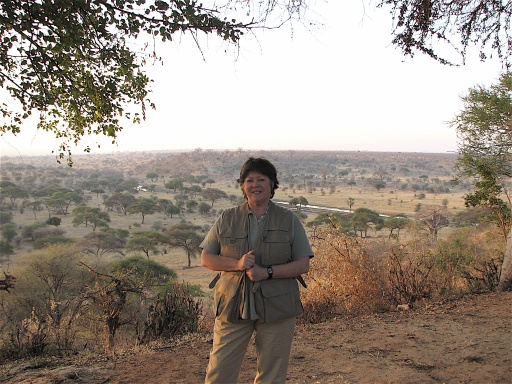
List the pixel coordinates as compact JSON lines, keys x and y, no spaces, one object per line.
{"x":411,"y":266}
{"x":409,"y":275}
{"x":172,"y":313}
{"x":343,"y":278}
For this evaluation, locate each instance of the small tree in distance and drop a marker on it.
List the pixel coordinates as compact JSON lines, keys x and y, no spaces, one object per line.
{"x":146,"y":242}
{"x":145,"y":206}
{"x":184,"y":235}
{"x":54,"y":221}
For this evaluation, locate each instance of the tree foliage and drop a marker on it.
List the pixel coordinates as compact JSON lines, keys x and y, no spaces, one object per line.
{"x":431,"y":26}
{"x":8,"y":232}
{"x":147,"y":271}
{"x":6,"y":248}
{"x":74,"y":61}
{"x":484,"y":129}
{"x":53,"y":221}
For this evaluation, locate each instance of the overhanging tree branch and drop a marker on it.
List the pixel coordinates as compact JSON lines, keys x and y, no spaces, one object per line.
{"x":427,"y":25}
{"x":71,"y":60}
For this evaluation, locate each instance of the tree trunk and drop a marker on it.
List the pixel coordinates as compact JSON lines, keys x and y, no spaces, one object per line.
{"x":505,"y":283}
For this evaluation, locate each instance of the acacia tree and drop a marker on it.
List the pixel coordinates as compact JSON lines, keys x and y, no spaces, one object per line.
{"x":430,"y":26}
{"x":74,"y":61}
{"x":484,"y":129}
{"x":184,"y":235}
{"x":397,"y":222}
{"x":120,"y":200}
{"x":60,"y":201}
{"x":362,"y":219}
{"x":145,"y":206}
{"x":13,"y":192}
{"x":100,"y":243}
{"x":146,"y":242}
{"x":90,"y":216}
{"x":213,"y":194}
{"x":48,"y":296}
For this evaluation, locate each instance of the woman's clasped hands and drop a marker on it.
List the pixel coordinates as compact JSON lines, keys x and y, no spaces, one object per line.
{"x":254,"y":271}
{"x":246,"y":261}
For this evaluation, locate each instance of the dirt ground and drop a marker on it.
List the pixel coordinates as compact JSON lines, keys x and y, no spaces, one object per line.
{"x":464,"y":341}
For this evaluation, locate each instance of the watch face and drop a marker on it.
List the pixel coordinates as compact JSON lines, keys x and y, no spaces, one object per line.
{"x":270,"y":270}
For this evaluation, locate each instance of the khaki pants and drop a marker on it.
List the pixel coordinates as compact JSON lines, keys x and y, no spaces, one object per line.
{"x":273,"y":345}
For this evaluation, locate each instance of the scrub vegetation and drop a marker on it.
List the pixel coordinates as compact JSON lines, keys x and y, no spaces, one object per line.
{"x":103,"y":256}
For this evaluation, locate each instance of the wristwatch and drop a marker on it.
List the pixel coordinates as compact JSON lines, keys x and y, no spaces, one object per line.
{"x":270,"y":272}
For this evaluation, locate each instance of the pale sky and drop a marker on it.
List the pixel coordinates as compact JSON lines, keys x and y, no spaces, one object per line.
{"x":341,"y":87}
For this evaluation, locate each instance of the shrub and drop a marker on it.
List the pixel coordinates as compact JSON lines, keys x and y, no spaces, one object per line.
{"x":5,"y":217}
{"x":40,"y":315}
{"x":175,"y":312}
{"x":483,"y":274}
{"x":409,"y":274}
{"x":452,"y":257}
{"x":469,"y":260}
{"x":43,"y":231}
{"x":343,"y":278}
{"x":28,"y":231}
{"x":6,"y":249}
{"x":54,"y":221}
{"x":47,"y":241}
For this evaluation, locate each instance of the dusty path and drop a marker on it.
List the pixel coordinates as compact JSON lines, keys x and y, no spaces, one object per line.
{"x":468,"y":341}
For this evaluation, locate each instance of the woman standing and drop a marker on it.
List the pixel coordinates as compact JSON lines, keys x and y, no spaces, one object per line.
{"x":260,"y":250}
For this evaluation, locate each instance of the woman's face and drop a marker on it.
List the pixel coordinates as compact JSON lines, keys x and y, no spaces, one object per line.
{"x":257,"y":188}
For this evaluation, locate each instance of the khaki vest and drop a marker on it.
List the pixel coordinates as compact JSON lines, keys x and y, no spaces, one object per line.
{"x":276,"y":299}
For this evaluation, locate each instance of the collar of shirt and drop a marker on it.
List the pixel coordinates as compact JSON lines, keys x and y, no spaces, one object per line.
{"x":262,"y":217}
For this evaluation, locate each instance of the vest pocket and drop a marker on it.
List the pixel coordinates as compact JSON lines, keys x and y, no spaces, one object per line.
{"x":233,"y":244}
{"x":278,"y":300}
{"x":229,"y":295}
{"x":277,"y":247}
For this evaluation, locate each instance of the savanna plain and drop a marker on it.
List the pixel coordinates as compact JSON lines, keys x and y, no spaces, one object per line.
{"x":451,"y":326}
